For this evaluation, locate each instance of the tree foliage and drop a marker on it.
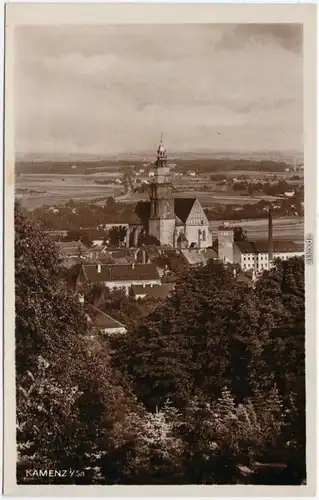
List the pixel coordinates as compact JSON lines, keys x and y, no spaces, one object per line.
{"x":117,"y":235}
{"x":214,"y":332}
{"x":239,"y":233}
{"x":72,"y":407}
{"x":205,"y":384}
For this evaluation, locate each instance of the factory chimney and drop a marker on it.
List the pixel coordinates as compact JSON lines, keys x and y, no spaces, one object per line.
{"x":270,"y":240}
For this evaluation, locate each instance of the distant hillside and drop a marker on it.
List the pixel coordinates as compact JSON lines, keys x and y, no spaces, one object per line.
{"x":199,"y":164}
{"x":289,"y":156}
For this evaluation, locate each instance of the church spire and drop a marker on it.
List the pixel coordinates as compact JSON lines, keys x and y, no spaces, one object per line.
{"x":161,"y":151}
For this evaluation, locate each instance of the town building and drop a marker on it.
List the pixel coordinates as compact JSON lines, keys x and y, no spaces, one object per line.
{"x":71,"y":248}
{"x":118,"y":276}
{"x":152,"y":291}
{"x":71,"y":252}
{"x":170,"y":220}
{"x":97,"y":236}
{"x":255,"y":255}
{"x":101,"y":323}
{"x":196,"y":257}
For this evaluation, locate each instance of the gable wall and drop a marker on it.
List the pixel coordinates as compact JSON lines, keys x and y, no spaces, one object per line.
{"x":197,"y":215}
{"x":197,"y":221}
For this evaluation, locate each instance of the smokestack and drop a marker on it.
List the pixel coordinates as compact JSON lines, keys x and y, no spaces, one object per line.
{"x":99,"y":268}
{"x":133,"y":265}
{"x":270,"y":240}
{"x":143,"y":256}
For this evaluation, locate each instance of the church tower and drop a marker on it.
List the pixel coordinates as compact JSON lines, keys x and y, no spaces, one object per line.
{"x":162,"y":213}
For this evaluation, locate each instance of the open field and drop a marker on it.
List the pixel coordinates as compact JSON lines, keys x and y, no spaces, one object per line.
{"x":291,"y":228}
{"x":56,"y":189}
{"x":82,"y":187}
{"x":259,"y":173}
{"x":207,"y":199}
{"x":51,"y":188}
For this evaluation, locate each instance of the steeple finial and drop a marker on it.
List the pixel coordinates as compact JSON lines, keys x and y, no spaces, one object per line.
{"x":161,"y":151}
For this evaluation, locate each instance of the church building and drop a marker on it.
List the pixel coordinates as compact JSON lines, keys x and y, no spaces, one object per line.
{"x":177,"y":222}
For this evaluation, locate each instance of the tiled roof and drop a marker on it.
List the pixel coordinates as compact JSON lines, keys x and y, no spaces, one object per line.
{"x":245,"y":246}
{"x":123,"y":260}
{"x":121,"y":253}
{"x":99,"y":248}
{"x":125,"y":272}
{"x":183,"y":206}
{"x":99,"y":319}
{"x":178,"y":221}
{"x":96,"y":234}
{"x":152,"y":251}
{"x":279,"y":246}
{"x":68,"y":244}
{"x":261,"y":246}
{"x":143,"y":212}
{"x":160,"y":291}
{"x":210,"y":253}
{"x":96,"y":256}
{"x":194,"y":257}
{"x":70,"y":248}
{"x":106,"y":259}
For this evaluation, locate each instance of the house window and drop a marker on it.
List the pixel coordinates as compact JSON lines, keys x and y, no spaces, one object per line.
{"x":204,"y":235}
{"x":202,"y":222}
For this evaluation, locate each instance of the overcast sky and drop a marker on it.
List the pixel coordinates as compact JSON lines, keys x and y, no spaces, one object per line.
{"x":114,"y":89}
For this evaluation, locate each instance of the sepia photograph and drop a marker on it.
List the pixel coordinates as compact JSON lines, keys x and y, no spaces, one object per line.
{"x":159,"y":253}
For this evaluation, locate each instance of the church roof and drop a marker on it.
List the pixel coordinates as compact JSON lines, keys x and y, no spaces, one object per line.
{"x":178,"y":221}
{"x":183,"y":207}
{"x":134,"y":219}
{"x":143,"y":211}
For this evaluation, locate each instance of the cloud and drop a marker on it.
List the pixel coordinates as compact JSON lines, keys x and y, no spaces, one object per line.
{"x":115,"y":88}
{"x":288,"y":36}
